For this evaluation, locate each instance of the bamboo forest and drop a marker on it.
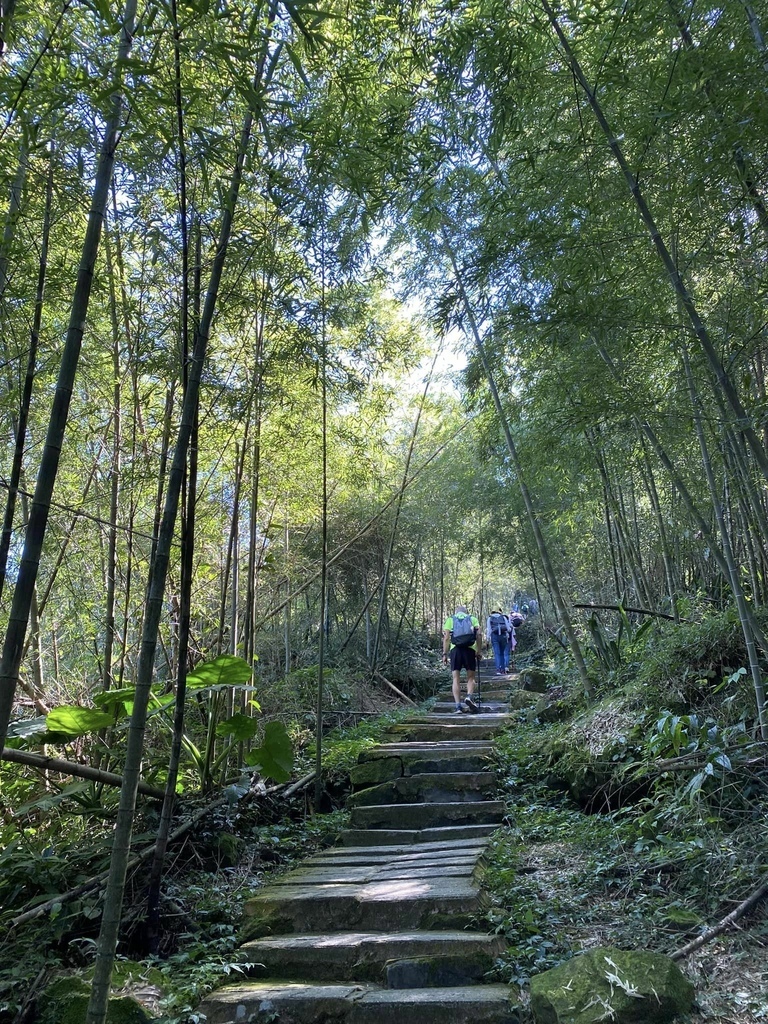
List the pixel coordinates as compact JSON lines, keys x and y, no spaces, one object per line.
{"x":384,"y":489}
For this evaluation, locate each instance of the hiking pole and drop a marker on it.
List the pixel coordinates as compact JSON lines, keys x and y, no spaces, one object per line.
{"x":479,"y":660}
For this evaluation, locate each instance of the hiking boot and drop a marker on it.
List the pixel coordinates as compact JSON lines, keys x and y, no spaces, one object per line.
{"x":458,"y":709}
{"x":470,"y":704}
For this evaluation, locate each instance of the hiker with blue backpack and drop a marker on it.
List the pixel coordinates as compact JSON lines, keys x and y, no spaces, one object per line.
{"x":462,"y":639}
{"x":498,"y":629}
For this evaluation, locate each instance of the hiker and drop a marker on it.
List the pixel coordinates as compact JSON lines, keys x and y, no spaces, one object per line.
{"x":462,"y":641}
{"x":516,"y":618}
{"x":510,"y":665}
{"x":497,"y":628}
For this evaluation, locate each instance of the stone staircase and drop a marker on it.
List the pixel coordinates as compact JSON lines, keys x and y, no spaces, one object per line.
{"x":379,"y":929}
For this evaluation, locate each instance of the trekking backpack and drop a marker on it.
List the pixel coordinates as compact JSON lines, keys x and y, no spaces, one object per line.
{"x":516,"y":619}
{"x":463,"y":632}
{"x":499,"y":625}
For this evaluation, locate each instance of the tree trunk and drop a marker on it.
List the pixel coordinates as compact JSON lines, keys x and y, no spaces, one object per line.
{"x":398,"y":508}
{"x":733,"y":570}
{"x":110,"y":924}
{"x":49,"y":464}
{"x":20,"y":427}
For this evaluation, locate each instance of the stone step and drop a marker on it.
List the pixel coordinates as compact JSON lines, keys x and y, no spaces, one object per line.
{"x":364,"y":956}
{"x":382,"y":764}
{"x":408,"y":851}
{"x":356,"y":837}
{"x":486,"y":692}
{"x":452,"y":718}
{"x":487,"y":707}
{"x":429,"y":787}
{"x":462,"y":866}
{"x":431,"y":815}
{"x":296,"y":1003}
{"x":427,"y":750}
{"x":453,"y":727}
{"x":439,"y":902}
{"x":513,"y":699}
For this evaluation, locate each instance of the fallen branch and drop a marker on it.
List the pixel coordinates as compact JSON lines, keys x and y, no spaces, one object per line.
{"x":95,"y":882}
{"x":301,"y":784}
{"x":559,"y":639}
{"x":392,"y":686}
{"x":636,"y":611}
{"x":723,"y":925}
{"x":81,"y":771}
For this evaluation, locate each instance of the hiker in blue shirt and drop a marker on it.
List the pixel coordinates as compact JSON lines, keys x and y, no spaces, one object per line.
{"x":462,"y":641}
{"x":497,"y":627}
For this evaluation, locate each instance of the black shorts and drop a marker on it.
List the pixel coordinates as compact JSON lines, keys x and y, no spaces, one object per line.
{"x":463,"y":657}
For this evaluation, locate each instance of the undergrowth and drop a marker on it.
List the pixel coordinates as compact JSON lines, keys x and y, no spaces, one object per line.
{"x":206,"y":885}
{"x":640,"y":820}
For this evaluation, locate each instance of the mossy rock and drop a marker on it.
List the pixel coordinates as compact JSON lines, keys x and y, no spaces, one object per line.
{"x":65,"y":1001}
{"x":623,"y":986}
{"x":546,"y":711}
{"x":521,"y":699}
{"x":223,"y":850}
{"x":534,"y":679}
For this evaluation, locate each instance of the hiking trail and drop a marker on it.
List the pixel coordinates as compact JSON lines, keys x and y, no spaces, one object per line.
{"x":380,"y":928}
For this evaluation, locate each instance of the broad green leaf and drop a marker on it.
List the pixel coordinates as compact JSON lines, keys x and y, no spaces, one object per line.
{"x":72,"y":721}
{"x":26,"y":727}
{"x":226,"y":670}
{"x":239,"y":727}
{"x":118,"y":702}
{"x":51,"y":800}
{"x":274,"y":757}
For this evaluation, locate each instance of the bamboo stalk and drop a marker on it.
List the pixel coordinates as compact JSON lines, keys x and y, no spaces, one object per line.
{"x":81,"y":771}
{"x":724,"y":924}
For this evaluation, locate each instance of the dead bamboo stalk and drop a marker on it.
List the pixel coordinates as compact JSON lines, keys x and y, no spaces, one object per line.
{"x":81,"y":771}
{"x":95,"y":882}
{"x":392,"y":687}
{"x":723,"y":925}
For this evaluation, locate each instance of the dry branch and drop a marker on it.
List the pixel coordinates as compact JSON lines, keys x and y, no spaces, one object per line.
{"x":296,"y":786}
{"x":81,"y":771}
{"x":95,"y":882}
{"x":636,"y":611}
{"x":723,"y":925}
{"x":392,"y":687}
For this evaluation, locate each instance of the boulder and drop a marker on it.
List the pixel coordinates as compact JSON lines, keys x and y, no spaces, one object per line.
{"x":621,"y":986}
{"x":534,"y":679}
{"x":65,"y":1001}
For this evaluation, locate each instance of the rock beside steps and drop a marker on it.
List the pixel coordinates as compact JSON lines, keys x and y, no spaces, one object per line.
{"x":380,"y":928}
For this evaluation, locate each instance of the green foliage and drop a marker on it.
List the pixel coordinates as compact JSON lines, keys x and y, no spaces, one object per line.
{"x":342,"y":747}
{"x":274,"y":758}
{"x":610,"y":650}
{"x":226,"y":670}
{"x":69,"y":722}
{"x":686,"y":840}
{"x":239,"y":728}
{"x":694,"y":659}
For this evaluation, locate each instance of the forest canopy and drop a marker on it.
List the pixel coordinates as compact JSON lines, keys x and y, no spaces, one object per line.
{"x":318,"y":318}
